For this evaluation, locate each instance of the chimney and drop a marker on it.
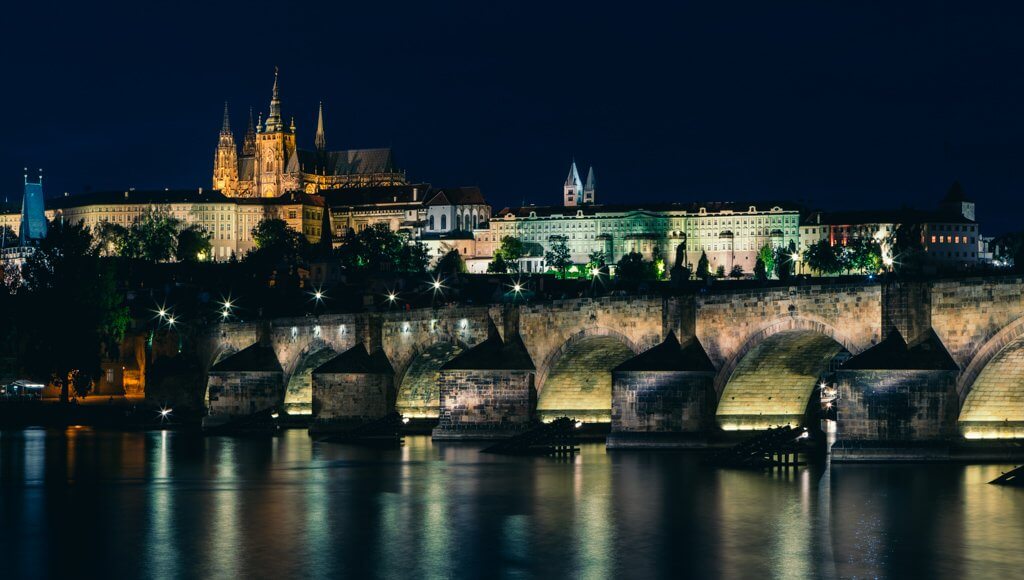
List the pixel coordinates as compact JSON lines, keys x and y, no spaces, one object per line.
{"x":415,"y":192}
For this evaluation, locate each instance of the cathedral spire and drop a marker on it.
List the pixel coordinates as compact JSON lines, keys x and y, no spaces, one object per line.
{"x":226,"y":126}
{"x":321,"y":140}
{"x":274,"y":118}
{"x":249,"y":144}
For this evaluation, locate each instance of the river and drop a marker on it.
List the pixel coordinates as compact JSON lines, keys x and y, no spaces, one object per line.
{"x":163,"y":504}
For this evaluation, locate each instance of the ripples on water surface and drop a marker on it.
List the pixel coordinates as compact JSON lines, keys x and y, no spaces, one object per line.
{"x":173,"y":505}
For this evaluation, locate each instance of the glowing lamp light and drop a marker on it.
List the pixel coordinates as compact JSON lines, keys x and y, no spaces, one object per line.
{"x":392,"y":296}
{"x":171,"y":321}
{"x":405,"y":420}
{"x":318,"y":295}
{"x":464,"y":323}
{"x":595,"y":272}
{"x":517,"y":288}
{"x":275,"y":415}
{"x":579,"y":424}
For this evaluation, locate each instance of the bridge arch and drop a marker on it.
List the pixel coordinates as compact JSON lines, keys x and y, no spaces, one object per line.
{"x":991,"y":388}
{"x":771,"y":378}
{"x":418,"y":393}
{"x":298,"y":393}
{"x":575,"y":379}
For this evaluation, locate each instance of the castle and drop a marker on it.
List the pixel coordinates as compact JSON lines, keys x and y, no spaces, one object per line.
{"x":271,"y":163}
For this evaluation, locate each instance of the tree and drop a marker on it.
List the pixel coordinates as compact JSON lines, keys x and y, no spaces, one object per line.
{"x":412,"y":256}
{"x":511,"y":250}
{"x":784,"y":261}
{"x":155,"y":236}
{"x":8,"y":237}
{"x":824,"y":258}
{"x":596,"y":260}
{"x":113,"y":240}
{"x":767,"y":255}
{"x":632,"y":268}
{"x":736,"y":272}
{"x":865,"y":255}
{"x":760,"y":270}
{"x":703,"y":267}
{"x":720,"y":272}
{"x":71,"y":306}
{"x":450,"y":263}
{"x":559,"y":257}
{"x":193,"y":244}
{"x":498,"y":264}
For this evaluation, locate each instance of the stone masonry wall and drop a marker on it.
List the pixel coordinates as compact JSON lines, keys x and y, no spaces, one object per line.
{"x":967,"y":313}
{"x":546,"y":327}
{"x":726,"y":321}
{"x":484,"y":404}
{"x":903,"y":405}
{"x":350,"y":399}
{"x":660,"y":401}
{"x":244,"y":393}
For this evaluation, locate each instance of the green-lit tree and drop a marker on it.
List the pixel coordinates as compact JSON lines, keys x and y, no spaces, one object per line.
{"x":865,"y":255}
{"x":767,"y":255}
{"x":511,"y":250}
{"x":559,"y":257}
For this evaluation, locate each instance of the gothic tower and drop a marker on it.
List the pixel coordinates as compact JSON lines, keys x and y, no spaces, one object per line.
{"x":590,"y":188}
{"x":572,"y":192}
{"x":225,"y":161}
{"x":275,"y":147}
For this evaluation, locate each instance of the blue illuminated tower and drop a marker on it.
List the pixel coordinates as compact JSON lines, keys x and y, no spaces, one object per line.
{"x":33,"y":213}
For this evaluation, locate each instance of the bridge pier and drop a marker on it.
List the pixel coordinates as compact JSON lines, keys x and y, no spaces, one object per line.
{"x":352,"y":388}
{"x":663,"y":397}
{"x":898,"y":399}
{"x":487,"y":392}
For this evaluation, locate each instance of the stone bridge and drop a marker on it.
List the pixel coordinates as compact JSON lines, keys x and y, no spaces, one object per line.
{"x":925,"y":360}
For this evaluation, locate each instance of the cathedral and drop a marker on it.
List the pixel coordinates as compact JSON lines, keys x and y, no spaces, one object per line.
{"x":271,"y":162}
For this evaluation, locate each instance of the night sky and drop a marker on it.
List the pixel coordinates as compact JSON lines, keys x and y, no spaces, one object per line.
{"x":841,"y":105}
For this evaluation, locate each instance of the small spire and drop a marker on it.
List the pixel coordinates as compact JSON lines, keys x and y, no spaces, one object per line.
{"x":226,"y":126}
{"x":321,"y":139}
{"x":274,"y":117}
{"x":252,"y":128}
{"x":574,"y":176}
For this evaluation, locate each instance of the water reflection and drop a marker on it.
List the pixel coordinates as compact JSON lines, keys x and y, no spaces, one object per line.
{"x":154,"y":505}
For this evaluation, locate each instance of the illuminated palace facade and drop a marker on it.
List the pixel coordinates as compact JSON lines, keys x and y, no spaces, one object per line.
{"x":731,"y":234}
{"x":271,"y":163}
{"x":435,"y":216}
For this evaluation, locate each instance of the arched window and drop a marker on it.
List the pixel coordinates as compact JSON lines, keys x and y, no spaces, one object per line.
{"x":458,"y":221}
{"x":431,"y":222}
{"x":444,"y":222}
